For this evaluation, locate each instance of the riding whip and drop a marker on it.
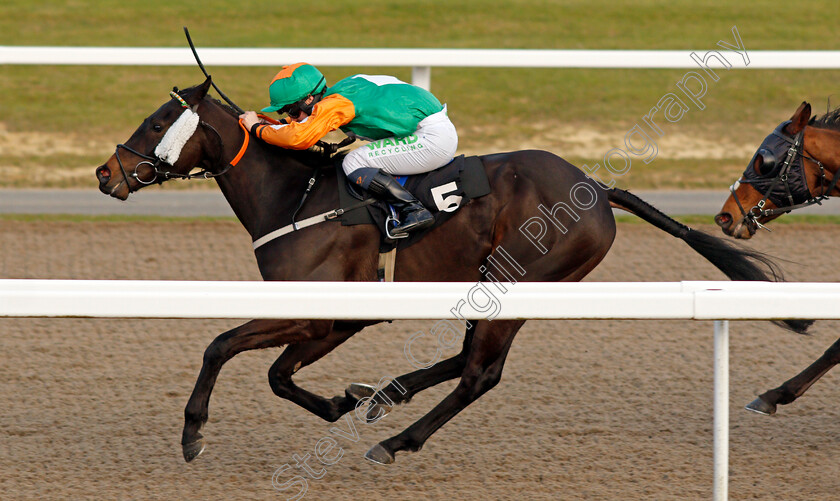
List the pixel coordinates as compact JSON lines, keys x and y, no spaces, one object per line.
{"x":200,"y":65}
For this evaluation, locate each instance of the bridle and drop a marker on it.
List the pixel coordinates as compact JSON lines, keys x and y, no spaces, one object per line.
{"x":162,"y":175}
{"x":795,"y":153}
{"x":156,"y":162}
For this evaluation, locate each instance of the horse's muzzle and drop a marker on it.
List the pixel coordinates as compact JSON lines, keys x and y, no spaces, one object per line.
{"x":744,"y":229}
{"x":108,"y":185}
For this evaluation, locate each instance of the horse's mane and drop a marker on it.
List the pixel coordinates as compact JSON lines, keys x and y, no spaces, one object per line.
{"x":830,"y":121}
{"x":232,"y":112}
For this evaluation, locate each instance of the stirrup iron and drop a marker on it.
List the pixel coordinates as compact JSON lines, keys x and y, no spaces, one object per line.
{"x":388,"y":234}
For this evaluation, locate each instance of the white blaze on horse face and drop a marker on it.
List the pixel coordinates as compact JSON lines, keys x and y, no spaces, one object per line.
{"x":177,"y":136}
{"x":735,"y":186}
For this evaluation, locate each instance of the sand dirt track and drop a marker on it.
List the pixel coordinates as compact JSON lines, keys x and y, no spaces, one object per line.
{"x":92,"y":408}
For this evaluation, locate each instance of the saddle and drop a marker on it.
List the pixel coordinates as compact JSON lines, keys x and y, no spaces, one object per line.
{"x":443,"y":191}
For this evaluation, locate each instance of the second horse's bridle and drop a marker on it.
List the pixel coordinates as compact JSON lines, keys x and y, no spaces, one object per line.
{"x":787,"y":174}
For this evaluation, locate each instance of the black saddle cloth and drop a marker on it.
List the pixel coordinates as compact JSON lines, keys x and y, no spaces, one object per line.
{"x":443,"y":191}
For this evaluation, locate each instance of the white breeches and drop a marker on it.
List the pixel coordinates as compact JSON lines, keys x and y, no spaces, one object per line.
{"x":432,"y":145}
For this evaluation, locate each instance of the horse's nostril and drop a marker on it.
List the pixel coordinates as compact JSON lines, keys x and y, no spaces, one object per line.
{"x":723,"y":219}
{"x":103,"y":172}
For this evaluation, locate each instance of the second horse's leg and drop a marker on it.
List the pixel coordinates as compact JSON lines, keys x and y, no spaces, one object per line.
{"x":793,"y":388}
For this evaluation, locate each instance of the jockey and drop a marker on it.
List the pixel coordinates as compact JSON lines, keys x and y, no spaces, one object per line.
{"x":409,"y":130}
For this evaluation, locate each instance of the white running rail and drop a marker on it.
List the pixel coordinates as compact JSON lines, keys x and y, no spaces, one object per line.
{"x":420,"y":60}
{"x":719,"y":301}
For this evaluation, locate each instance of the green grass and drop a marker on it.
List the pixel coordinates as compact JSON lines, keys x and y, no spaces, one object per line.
{"x":495,"y":109}
{"x":590,"y":24}
{"x":680,"y":174}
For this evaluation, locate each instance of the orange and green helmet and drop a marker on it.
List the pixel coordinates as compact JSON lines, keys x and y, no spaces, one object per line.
{"x":293,"y":83}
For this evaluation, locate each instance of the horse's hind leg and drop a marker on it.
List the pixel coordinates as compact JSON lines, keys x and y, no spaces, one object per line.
{"x":482,"y":371}
{"x":297,"y":356}
{"x":403,"y":388}
{"x":793,"y":388}
{"x":253,"y":335}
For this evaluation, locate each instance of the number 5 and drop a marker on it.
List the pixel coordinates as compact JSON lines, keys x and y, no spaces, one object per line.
{"x":450,"y":203}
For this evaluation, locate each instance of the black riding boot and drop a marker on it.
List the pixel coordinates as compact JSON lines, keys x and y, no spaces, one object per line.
{"x":413,"y":216}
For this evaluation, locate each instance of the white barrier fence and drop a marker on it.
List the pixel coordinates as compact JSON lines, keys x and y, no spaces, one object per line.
{"x":420,"y":60}
{"x":719,"y":301}
{"x":419,"y":300}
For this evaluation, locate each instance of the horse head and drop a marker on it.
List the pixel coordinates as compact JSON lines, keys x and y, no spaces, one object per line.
{"x":795,"y":166}
{"x":168,"y":144}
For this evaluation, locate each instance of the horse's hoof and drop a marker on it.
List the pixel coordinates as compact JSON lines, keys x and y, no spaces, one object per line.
{"x":379,"y":455}
{"x":192,"y":450}
{"x":761,"y":407}
{"x":376,"y":411}
{"x":360,"y":391}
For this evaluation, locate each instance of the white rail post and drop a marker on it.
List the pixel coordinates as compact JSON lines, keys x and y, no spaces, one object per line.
{"x":421,"y":76}
{"x":721,"y":419}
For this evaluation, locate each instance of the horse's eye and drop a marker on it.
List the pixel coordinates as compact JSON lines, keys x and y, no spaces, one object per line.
{"x":157,"y":127}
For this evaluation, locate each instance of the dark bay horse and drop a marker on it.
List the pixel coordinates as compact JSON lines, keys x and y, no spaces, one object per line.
{"x":797,"y":165}
{"x":264,"y":189}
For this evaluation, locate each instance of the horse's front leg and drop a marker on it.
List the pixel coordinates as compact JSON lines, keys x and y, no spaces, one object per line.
{"x":298,"y":356}
{"x":253,"y":335}
{"x":793,"y":388}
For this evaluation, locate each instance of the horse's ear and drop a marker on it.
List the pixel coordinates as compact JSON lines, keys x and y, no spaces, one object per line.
{"x":799,"y":119}
{"x":198,"y":94}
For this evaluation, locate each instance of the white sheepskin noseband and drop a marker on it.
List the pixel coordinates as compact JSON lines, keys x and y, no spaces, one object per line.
{"x":177,"y":136}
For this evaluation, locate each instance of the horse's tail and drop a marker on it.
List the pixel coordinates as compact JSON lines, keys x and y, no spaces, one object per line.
{"x":735,"y":262}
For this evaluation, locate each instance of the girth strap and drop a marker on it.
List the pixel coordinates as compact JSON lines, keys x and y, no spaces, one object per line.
{"x":320,"y":218}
